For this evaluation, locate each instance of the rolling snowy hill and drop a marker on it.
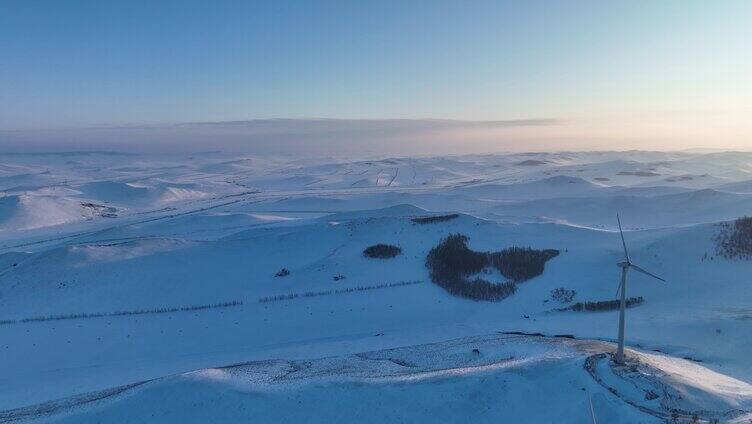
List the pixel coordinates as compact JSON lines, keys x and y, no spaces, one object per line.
{"x":134,"y":269}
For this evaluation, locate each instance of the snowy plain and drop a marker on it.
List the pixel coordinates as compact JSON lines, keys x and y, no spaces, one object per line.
{"x":150,"y":270}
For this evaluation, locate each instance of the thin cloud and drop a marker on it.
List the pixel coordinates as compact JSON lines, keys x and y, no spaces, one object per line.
{"x":323,"y":136}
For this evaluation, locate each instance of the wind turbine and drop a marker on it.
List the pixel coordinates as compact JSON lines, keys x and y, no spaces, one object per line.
{"x":625,"y":266}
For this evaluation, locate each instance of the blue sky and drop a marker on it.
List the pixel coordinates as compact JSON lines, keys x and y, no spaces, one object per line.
{"x":594,"y":63}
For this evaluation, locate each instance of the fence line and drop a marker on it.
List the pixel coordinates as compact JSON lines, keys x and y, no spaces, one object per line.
{"x":290,"y":296}
{"x":166,"y":310}
{"x":122,"y":313}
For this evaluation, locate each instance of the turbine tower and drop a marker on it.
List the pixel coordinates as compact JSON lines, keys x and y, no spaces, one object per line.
{"x":625,"y":266}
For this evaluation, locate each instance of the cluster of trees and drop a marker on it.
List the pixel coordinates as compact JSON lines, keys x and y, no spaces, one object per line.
{"x":521,"y":263}
{"x":480,"y":289}
{"x":434,"y":219}
{"x":604,"y":305}
{"x":124,"y":313}
{"x":382,"y":251}
{"x":451,"y":264}
{"x":284,"y":272}
{"x":734,"y":240}
{"x":451,"y":259}
{"x":562,"y":295}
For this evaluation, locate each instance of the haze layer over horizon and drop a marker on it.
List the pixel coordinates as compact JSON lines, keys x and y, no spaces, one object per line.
{"x":512,"y":76}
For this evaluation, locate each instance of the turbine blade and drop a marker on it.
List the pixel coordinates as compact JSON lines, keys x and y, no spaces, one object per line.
{"x":639,"y":269}
{"x":616,"y":295}
{"x":623,"y":243}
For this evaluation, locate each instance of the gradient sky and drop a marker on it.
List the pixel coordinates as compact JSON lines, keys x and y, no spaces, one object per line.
{"x":638,"y":72}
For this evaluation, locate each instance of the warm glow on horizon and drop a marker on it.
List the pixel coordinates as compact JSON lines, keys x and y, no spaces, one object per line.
{"x":613,"y":75}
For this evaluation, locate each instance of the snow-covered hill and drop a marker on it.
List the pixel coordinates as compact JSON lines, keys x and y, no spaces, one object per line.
{"x":135,"y":268}
{"x":487,"y":378}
